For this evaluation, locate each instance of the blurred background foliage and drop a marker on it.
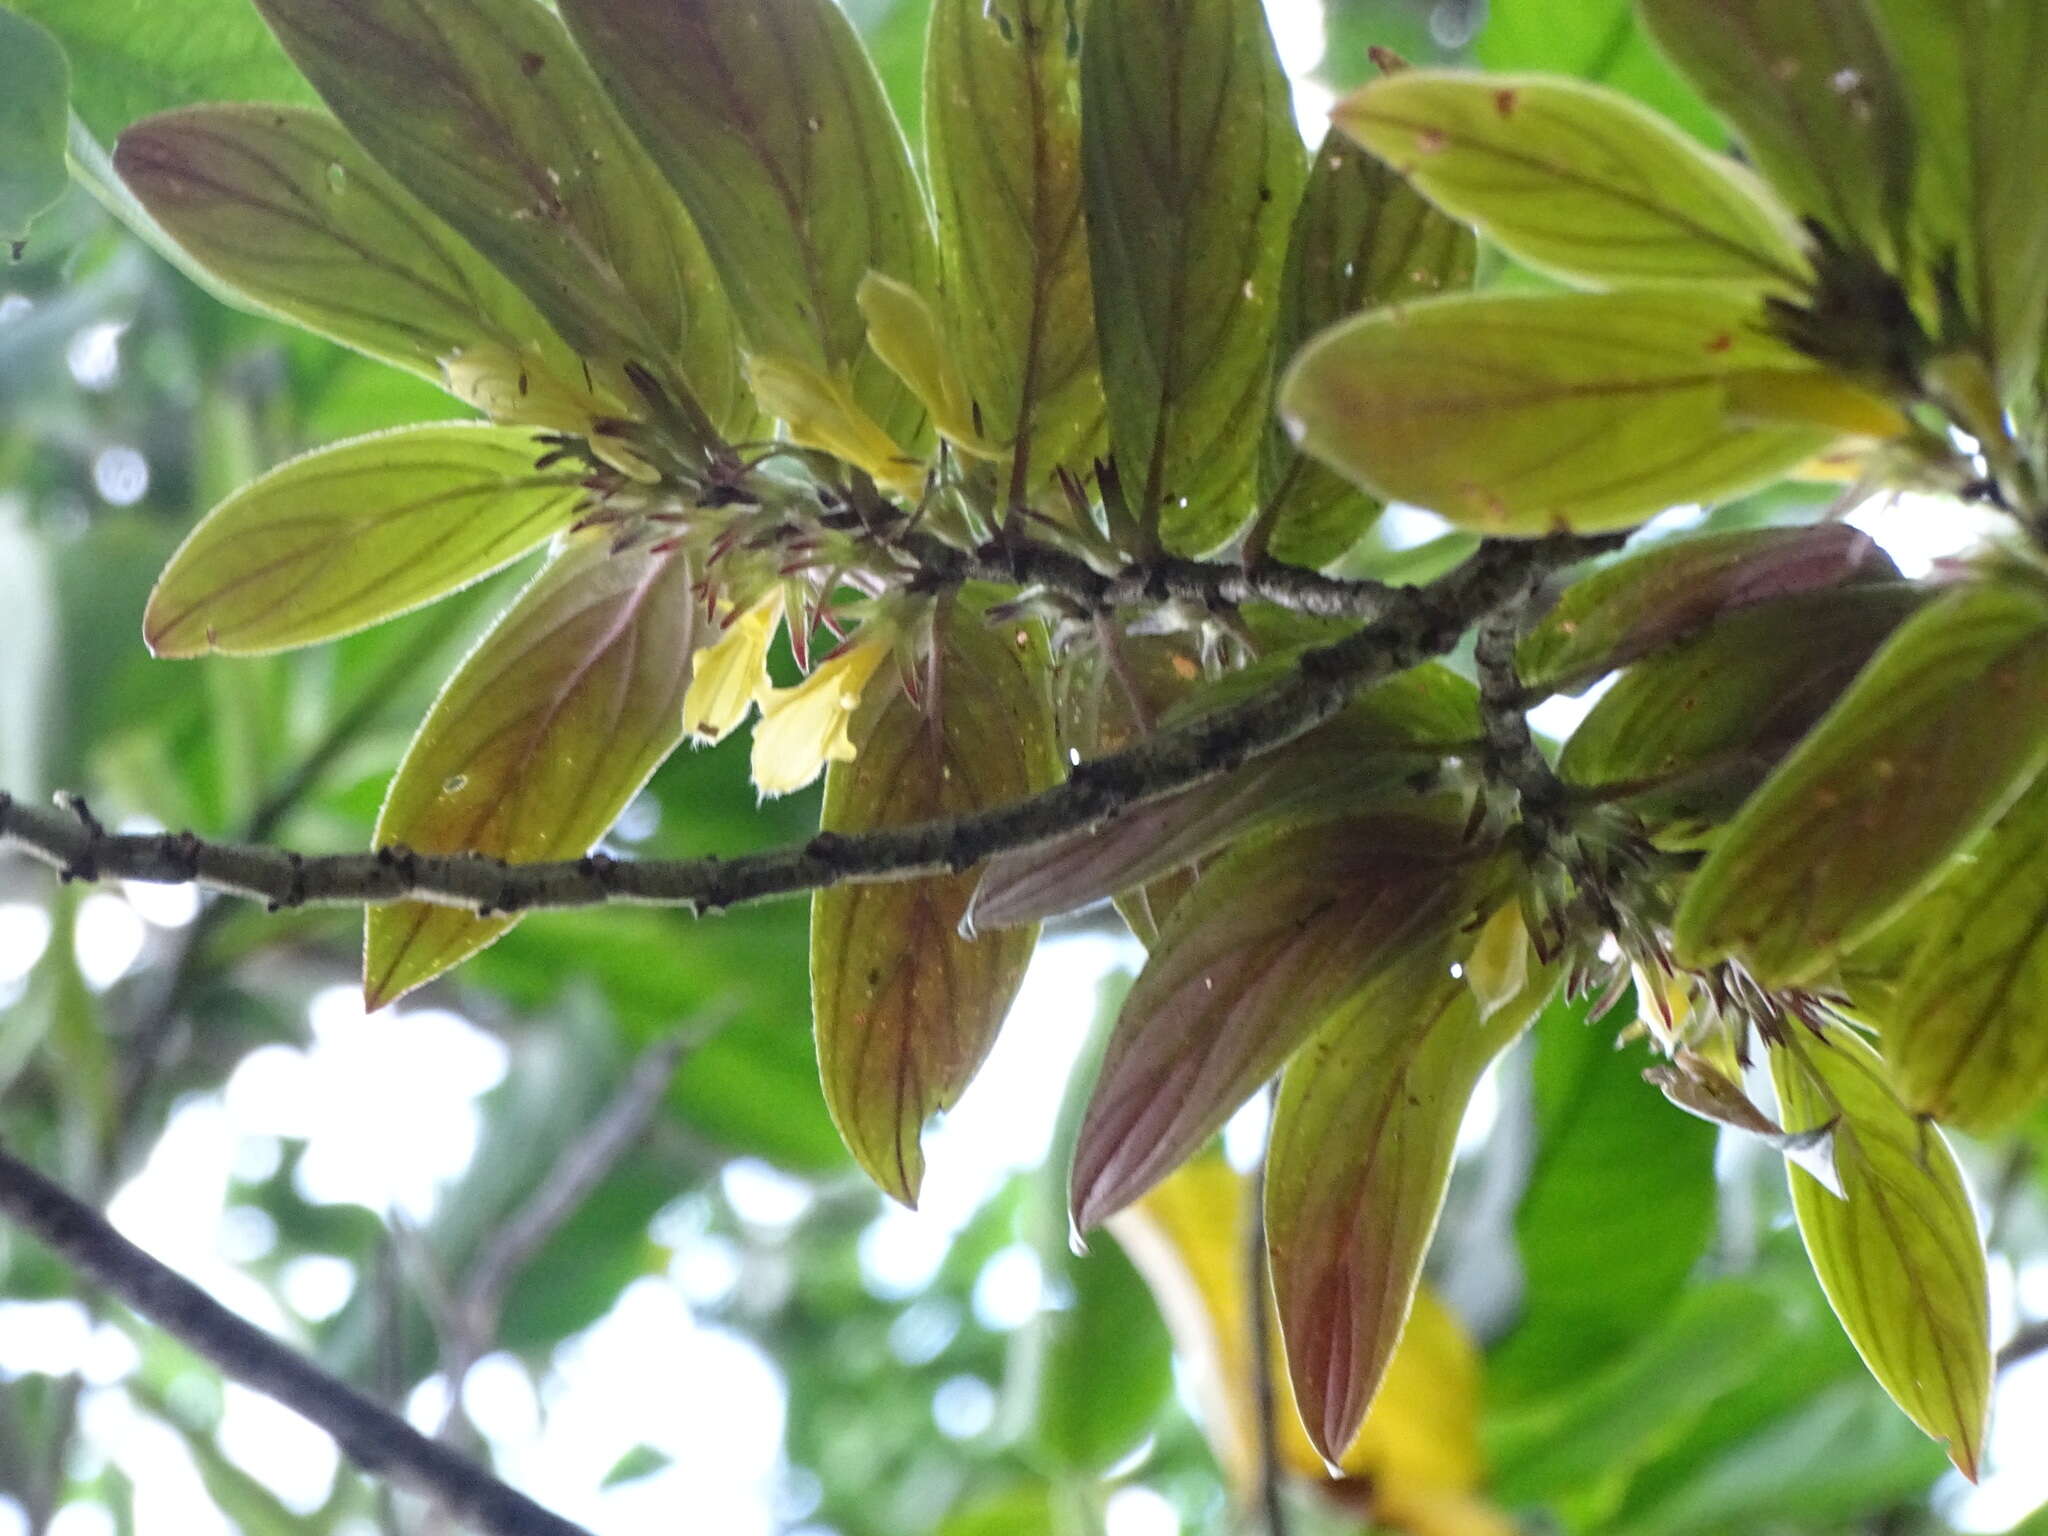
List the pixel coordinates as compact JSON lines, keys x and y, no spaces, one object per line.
{"x":728,"y":1332}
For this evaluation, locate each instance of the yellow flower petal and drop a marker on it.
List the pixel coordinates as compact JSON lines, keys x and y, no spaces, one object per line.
{"x":820,"y":412}
{"x":731,"y":670}
{"x":805,"y":727}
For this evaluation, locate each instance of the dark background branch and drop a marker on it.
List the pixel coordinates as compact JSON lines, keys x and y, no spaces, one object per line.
{"x":374,"y":1438}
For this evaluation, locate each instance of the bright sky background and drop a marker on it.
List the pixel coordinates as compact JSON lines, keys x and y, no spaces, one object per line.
{"x":650,"y":1372}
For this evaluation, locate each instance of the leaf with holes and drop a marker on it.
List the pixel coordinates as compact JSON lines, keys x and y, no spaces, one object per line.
{"x":1383,"y":741}
{"x":1813,"y":93}
{"x":484,"y":110}
{"x":1362,"y":238}
{"x":1576,"y":180}
{"x":1277,"y":934}
{"x":1003,"y":141}
{"x":35,"y":97}
{"x":1964,"y":1041}
{"x":1192,"y":168}
{"x":546,"y":731}
{"x":1898,"y":1253}
{"x":1525,"y":413}
{"x":1647,"y":601}
{"x":1360,"y":1153}
{"x":282,"y":205}
{"x":348,"y":536}
{"x":1944,"y":728}
{"x":905,"y":1007}
{"x":768,"y":120}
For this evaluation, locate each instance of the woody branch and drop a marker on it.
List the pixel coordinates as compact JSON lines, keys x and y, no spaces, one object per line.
{"x":1414,"y":625}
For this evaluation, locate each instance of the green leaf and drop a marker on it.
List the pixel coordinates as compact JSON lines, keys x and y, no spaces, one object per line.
{"x":1385,"y":737}
{"x":484,"y":110}
{"x":280,"y":204}
{"x":1898,"y":1254}
{"x":1576,"y":1451}
{"x":1003,"y":141}
{"x":1576,"y":180}
{"x":1192,"y":168}
{"x":1619,"y":1189}
{"x":128,"y":60}
{"x":1105,"y":1366}
{"x":351,"y":535}
{"x":539,"y":740}
{"x":1979,"y":123}
{"x":1648,"y":600}
{"x":1964,"y":1041}
{"x":906,"y":1007}
{"x":1686,"y":734}
{"x":1360,"y":1154}
{"x":1362,"y":238}
{"x":766,"y":117}
{"x":1250,"y":963}
{"x":1523,"y":413}
{"x":1596,"y":40}
{"x":35,"y":117}
{"x":1830,"y":1461}
{"x":1812,"y":91}
{"x":1941,"y":732}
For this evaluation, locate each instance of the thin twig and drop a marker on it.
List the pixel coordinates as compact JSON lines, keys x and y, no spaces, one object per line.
{"x":374,"y":1438}
{"x":2028,"y":1342}
{"x":1258,"y":1281}
{"x":473,"y":1312}
{"x":1419,"y":623}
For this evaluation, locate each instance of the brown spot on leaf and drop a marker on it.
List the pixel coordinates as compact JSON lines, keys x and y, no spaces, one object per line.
{"x":1504,"y":102}
{"x":531,"y":64}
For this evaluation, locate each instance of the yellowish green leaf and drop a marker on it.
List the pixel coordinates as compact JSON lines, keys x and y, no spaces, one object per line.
{"x":485,"y":111}
{"x":1576,"y":179}
{"x":282,"y":205}
{"x":1964,"y":1040}
{"x":768,"y":120}
{"x":354,"y":534}
{"x":1362,"y":238}
{"x":1524,"y":413}
{"x":1360,"y":1153}
{"x":546,"y":731}
{"x":1688,"y":733}
{"x":1980,"y":125}
{"x":1003,"y":142}
{"x":906,"y":1007}
{"x":1192,"y":169}
{"x":1942,"y":731}
{"x":1898,"y":1253}
{"x":1813,"y":92}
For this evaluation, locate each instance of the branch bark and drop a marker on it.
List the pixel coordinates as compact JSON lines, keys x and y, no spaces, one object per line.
{"x":373,"y":1438}
{"x":1415,"y":624}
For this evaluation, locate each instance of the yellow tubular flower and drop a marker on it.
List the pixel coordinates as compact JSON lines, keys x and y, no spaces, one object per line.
{"x":729,"y":672}
{"x":805,"y":727}
{"x":820,"y":412}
